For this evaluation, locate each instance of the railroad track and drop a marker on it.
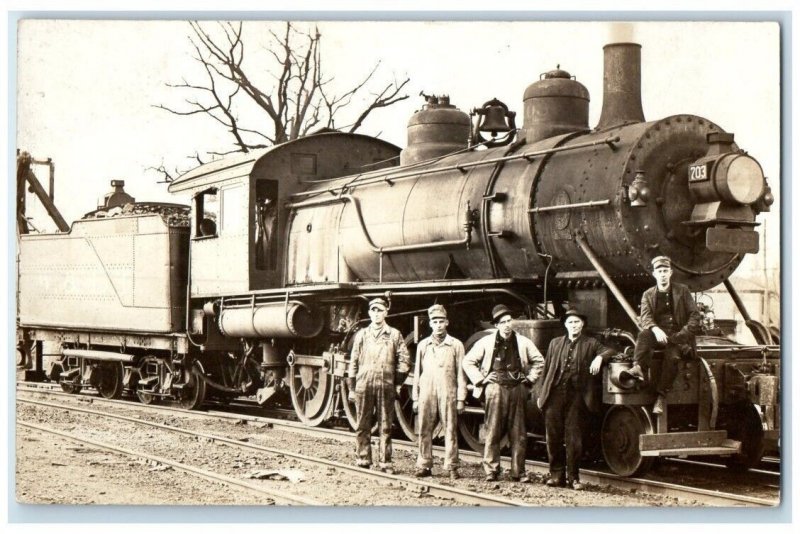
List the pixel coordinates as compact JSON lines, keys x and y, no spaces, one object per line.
{"x":593,"y":477}
{"x":425,"y":487}
{"x":277,"y":497}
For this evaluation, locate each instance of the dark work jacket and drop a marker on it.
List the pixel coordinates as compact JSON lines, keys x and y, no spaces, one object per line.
{"x":586,"y":349}
{"x":688,"y":320}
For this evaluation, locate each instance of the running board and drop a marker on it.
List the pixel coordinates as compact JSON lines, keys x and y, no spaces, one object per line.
{"x":712,"y":442}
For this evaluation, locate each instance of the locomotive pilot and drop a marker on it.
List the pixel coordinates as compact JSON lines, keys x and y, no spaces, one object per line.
{"x":439,"y":392}
{"x":379,"y":362}
{"x":569,"y":392}
{"x":669,"y":321}
{"x":505,"y":364}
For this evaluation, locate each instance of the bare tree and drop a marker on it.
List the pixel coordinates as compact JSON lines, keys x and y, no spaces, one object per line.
{"x":297,"y":97}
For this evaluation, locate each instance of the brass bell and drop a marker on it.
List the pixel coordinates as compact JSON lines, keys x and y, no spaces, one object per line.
{"x":494,"y":119}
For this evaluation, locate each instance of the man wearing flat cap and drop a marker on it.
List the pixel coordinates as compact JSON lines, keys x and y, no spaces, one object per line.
{"x":379,"y":362}
{"x":669,"y":321}
{"x":505,"y":364}
{"x":569,"y":392}
{"x":440,"y":389}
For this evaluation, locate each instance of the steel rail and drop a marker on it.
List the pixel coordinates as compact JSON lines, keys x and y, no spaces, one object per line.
{"x":286,"y":498}
{"x":436,"y":490}
{"x":712,"y":465}
{"x":590,"y":476}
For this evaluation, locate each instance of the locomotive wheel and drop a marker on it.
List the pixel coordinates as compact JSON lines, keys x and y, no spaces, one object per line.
{"x":194,"y":392}
{"x":470,"y":423}
{"x":404,"y":404}
{"x":407,"y":419}
{"x":109,"y":385}
{"x":471,"y":428}
{"x":348,"y":406}
{"x":622,"y":427}
{"x":745,"y":426}
{"x":404,"y":412}
{"x":311,"y":390}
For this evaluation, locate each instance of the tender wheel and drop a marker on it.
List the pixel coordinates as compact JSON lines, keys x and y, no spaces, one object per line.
{"x":21,"y":357}
{"x":148,"y":371}
{"x":69,"y":387}
{"x":622,"y":427}
{"x":311,"y":390}
{"x":194,"y":392}
{"x":743,"y":423}
{"x":109,"y":384}
{"x":147,"y":398}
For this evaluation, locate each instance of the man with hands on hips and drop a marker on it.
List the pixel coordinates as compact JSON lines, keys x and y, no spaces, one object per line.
{"x":506,"y":364}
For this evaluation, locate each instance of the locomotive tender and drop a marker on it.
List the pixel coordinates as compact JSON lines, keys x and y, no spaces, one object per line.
{"x":258,"y":288}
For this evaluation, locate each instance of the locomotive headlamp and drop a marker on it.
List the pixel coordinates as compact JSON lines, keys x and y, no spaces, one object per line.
{"x":728,"y":188}
{"x":732,"y":178}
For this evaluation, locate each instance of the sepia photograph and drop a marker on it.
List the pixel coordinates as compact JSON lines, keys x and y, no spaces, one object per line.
{"x":381,"y":263}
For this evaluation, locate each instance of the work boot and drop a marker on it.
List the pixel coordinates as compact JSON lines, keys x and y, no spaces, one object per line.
{"x":576,"y":485}
{"x":454,"y":474}
{"x":555,"y":482}
{"x":362,"y":464}
{"x":422,"y":472}
{"x":658,"y":407}
{"x":491,"y":477}
{"x":389,"y":470}
{"x":524,"y":479}
{"x":634,"y":373}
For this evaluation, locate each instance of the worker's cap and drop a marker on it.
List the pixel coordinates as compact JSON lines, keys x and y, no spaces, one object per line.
{"x":573,"y":312}
{"x":380,"y":303}
{"x":437,"y":311}
{"x":499,"y":311}
{"x":661,"y":261}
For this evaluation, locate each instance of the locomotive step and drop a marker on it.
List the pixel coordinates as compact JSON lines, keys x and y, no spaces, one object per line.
{"x":688,"y":443}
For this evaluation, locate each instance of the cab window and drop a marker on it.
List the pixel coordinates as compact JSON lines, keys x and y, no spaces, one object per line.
{"x":206,"y":211}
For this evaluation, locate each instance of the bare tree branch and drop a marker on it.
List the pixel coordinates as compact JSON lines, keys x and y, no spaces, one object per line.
{"x":298,"y":98}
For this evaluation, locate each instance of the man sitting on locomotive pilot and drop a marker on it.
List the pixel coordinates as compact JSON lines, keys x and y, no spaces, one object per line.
{"x":379,"y":362}
{"x":506,"y":364}
{"x":669,"y":321}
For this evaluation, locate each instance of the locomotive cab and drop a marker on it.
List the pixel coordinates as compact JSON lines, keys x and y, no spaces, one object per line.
{"x":238,"y":213}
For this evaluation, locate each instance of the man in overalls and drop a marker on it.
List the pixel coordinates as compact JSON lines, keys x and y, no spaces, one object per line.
{"x":379,"y":362}
{"x":440,"y":389}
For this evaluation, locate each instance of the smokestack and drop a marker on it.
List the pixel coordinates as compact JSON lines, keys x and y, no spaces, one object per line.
{"x":622,"y":85}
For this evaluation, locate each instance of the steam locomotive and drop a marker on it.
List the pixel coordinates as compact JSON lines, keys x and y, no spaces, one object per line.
{"x":258,"y":287}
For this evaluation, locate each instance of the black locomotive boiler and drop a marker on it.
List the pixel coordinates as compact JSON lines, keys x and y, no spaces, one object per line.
{"x":258,"y":288}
